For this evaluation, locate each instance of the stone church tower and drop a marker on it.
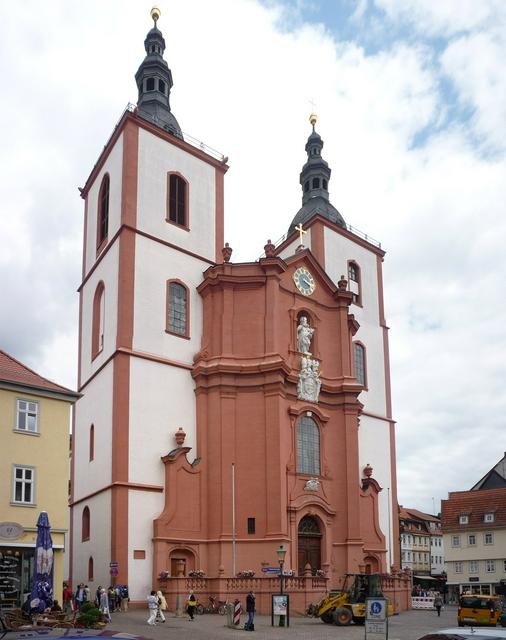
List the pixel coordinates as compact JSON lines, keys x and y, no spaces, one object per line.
{"x":226,"y":408}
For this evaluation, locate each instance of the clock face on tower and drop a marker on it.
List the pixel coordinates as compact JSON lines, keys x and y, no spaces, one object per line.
{"x":304,"y":281}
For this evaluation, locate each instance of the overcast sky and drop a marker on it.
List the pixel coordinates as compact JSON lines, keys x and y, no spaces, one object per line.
{"x":411,"y":99}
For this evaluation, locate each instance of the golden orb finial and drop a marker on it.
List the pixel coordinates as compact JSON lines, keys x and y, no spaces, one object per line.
{"x":155,"y":13}
{"x":313,"y":118}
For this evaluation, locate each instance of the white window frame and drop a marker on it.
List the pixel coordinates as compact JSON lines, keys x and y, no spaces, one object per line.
{"x":474,"y":566}
{"x":489,"y":517}
{"x":463,"y":519}
{"x":490,"y":566}
{"x":473,"y":536}
{"x":485,"y":538}
{"x":26,"y":412}
{"x":455,"y":541}
{"x":459,"y":568}
{"x":23,"y":481}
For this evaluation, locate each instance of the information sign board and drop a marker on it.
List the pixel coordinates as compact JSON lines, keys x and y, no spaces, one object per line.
{"x":376,"y":621}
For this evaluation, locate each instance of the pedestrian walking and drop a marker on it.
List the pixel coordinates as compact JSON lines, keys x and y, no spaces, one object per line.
{"x":250,"y":610}
{"x":438,"y":603}
{"x":111,"y":594}
{"x":153,"y":607}
{"x":191,"y":604}
{"x":104,"y":606}
{"x":124,"y":597}
{"x":80,"y":596}
{"x":67,"y":599}
{"x":162,"y":606}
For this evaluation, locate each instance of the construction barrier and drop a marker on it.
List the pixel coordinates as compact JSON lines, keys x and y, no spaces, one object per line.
{"x":237,"y":613}
{"x":422,"y":602}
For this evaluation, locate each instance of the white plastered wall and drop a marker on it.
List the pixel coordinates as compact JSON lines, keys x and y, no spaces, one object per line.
{"x":146,"y":506}
{"x":114,"y":167}
{"x":162,"y":399}
{"x":154,"y":265}
{"x":94,"y":407}
{"x":157,"y":157}
{"x":338,"y":251}
{"x":289,"y":250}
{"x":99,"y":544}
{"x":107,"y":271}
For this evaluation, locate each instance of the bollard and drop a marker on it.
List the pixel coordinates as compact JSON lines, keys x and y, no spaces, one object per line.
{"x":237,"y":613}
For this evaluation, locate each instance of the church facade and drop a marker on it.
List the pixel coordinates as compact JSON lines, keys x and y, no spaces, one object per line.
{"x":227,"y":408}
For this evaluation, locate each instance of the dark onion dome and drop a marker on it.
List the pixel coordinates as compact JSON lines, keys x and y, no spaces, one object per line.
{"x":314,"y":179}
{"x":154,"y":82}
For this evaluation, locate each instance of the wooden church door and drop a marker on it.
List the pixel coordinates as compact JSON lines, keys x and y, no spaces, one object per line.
{"x":309,"y":544}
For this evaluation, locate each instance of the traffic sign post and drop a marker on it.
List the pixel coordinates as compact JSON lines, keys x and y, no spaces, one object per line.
{"x":376,"y":619}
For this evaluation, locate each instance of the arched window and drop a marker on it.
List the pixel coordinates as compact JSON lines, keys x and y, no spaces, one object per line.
{"x":308,"y":446}
{"x":150,"y":84}
{"x":354,"y":284}
{"x":85,"y":525}
{"x":316,"y":183}
{"x":177,"y":200}
{"x":103,"y":211}
{"x":178,"y":316}
{"x":90,"y":569}
{"x":92,"y":442}
{"x":97,"y":332}
{"x":360,"y":363}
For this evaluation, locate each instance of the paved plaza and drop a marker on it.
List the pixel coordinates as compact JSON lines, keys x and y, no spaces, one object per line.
{"x":409,"y":625}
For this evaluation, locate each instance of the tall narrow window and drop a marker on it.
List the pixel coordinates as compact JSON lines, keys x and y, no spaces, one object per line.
{"x":97,"y":332}
{"x":27,"y":416}
{"x":90,"y":569}
{"x":308,"y":446}
{"x":23,"y":486}
{"x":103,"y":211}
{"x":177,"y":199}
{"x":360,"y":364}
{"x":177,"y":309}
{"x":251,"y":525}
{"x":354,"y":282}
{"x":92,"y":442}
{"x":85,"y":524}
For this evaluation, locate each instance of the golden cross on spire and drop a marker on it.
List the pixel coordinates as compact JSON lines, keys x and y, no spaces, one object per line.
{"x":301,"y":233}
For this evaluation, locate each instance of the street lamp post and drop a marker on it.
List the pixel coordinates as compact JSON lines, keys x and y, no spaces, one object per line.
{"x":281,"y":551}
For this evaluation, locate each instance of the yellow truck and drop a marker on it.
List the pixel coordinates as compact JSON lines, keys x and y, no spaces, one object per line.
{"x":348,"y":604}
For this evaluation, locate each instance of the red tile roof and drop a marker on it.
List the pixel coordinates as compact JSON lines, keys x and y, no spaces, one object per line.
{"x":474,"y":504}
{"x":422,"y":516}
{"x":11,"y":370}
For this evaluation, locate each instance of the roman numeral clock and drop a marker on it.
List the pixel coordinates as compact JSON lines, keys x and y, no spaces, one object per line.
{"x":304,"y":281}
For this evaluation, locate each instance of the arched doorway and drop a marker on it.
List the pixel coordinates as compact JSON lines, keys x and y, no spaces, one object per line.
{"x":309,"y":544}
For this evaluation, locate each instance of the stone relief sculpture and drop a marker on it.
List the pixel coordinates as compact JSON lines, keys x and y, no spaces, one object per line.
{"x":308,"y":387}
{"x":313,"y":484}
{"x":304,"y":335}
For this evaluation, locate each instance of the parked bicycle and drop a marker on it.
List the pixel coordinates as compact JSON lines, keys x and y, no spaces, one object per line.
{"x":213,"y":606}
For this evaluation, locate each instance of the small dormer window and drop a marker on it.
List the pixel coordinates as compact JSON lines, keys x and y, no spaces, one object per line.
{"x":150,"y":84}
{"x":489,"y":517}
{"x":463,"y":519}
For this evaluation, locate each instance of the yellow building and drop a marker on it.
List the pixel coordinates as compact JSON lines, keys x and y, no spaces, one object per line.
{"x":34,"y":473}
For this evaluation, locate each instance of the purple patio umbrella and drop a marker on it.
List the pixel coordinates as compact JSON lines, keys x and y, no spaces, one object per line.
{"x":42,"y":582}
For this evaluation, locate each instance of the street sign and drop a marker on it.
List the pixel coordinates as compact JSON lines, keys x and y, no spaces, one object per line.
{"x":274,"y":570}
{"x":113,"y":565}
{"x":113,"y":571}
{"x":376,"y":622}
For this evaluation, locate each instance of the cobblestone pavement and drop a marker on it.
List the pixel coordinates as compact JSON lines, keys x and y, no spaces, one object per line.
{"x":409,"y":625}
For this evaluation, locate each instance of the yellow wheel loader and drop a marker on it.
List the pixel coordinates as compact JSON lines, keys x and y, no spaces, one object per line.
{"x":347,"y":605}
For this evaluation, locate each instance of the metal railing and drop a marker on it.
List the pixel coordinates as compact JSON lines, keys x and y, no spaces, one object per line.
{"x":348,"y":227}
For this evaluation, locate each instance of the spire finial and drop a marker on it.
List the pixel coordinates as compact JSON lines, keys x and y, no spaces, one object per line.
{"x":313,"y":118}
{"x":155,"y":14}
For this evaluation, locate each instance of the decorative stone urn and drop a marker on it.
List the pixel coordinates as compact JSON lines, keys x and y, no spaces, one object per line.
{"x":180,"y":436}
{"x":367,"y":470}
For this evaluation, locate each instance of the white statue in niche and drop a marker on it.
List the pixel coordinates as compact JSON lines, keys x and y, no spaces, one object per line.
{"x":308,"y":387}
{"x":304,"y":335}
{"x":313,"y":484}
